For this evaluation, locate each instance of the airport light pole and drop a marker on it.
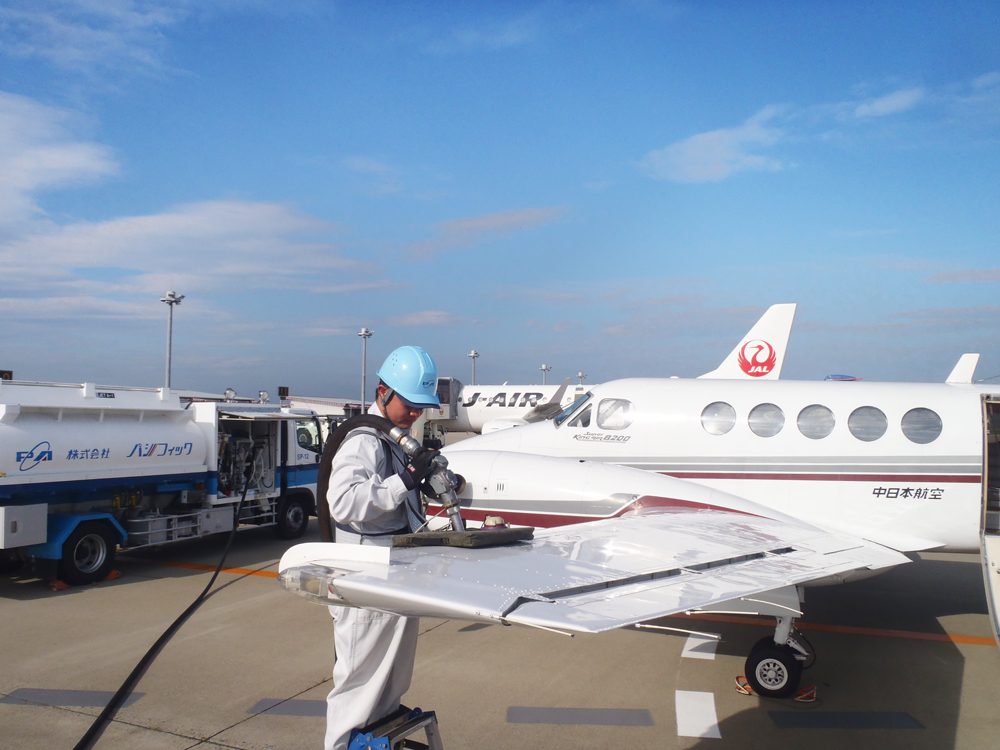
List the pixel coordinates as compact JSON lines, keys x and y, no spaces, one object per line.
{"x":365,"y":334}
{"x":474,"y":354}
{"x":171,"y":298}
{"x":544,"y":368}
{"x":581,"y":375}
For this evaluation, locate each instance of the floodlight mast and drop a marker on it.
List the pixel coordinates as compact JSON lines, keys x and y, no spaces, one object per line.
{"x":474,"y":354}
{"x":171,"y":298}
{"x":544,"y":368}
{"x":365,"y":334}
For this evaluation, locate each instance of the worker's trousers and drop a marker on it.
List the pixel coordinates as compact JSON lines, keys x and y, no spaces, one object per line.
{"x":374,"y":665}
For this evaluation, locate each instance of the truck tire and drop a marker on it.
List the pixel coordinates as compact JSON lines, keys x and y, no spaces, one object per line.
{"x":88,"y":554}
{"x":292,"y":517}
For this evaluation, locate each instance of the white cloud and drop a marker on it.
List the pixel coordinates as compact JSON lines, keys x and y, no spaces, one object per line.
{"x":897,"y":101}
{"x":987,"y":80}
{"x":713,"y":156}
{"x":38,"y":152}
{"x":468,"y":232}
{"x":488,"y":35}
{"x":97,"y":36}
{"x":425,"y":319}
{"x":970,"y":276}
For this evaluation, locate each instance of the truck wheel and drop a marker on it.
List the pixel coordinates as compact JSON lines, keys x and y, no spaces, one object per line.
{"x":292,"y":518}
{"x":88,"y":554}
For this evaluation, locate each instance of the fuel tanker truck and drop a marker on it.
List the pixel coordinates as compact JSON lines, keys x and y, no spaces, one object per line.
{"x":85,"y":469}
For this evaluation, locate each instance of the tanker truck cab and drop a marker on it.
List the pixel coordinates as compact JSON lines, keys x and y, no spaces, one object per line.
{"x":85,"y":469}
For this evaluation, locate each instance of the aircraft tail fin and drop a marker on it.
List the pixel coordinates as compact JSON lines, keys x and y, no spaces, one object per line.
{"x":550,"y":408}
{"x":965,"y":369}
{"x":762,"y":351}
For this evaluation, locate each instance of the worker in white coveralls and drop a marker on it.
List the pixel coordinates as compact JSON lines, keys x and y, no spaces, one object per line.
{"x":374,"y":493}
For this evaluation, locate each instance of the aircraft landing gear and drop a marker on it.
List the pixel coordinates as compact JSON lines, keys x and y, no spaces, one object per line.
{"x":774,"y":666}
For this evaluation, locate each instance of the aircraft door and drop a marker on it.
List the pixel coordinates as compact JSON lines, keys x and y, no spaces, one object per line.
{"x":990,"y":521}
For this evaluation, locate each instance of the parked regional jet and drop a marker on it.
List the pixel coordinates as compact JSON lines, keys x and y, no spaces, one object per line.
{"x":488,"y":408}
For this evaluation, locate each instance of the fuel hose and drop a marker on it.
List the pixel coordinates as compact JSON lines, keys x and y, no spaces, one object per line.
{"x":108,"y":714}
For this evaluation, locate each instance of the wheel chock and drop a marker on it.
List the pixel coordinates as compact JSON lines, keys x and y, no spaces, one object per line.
{"x":743,"y":686}
{"x":58,"y":585}
{"x":806,"y":695}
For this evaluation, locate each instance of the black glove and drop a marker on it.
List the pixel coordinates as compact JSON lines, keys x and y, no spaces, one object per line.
{"x":421,"y":466}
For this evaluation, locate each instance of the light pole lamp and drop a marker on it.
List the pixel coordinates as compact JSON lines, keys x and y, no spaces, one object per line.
{"x":581,"y":375}
{"x":474,"y":354}
{"x":544,"y":368}
{"x":171,"y":298}
{"x":365,"y":334}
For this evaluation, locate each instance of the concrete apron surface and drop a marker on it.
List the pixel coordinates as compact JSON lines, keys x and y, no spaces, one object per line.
{"x":251,"y":669}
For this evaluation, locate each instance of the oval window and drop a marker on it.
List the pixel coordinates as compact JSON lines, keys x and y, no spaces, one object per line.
{"x":921,"y":425}
{"x":867,"y":423}
{"x":816,"y":421}
{"x":718,"y":418}
{"x":766,"y":420}
{"x":615,"y":414}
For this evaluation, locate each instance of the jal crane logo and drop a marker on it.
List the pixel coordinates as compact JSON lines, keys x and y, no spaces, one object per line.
{"x":30,"y":459}
{"x":757,"y":358}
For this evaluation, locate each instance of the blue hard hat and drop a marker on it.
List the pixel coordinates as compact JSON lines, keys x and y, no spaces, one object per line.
{"x":410,"y":372}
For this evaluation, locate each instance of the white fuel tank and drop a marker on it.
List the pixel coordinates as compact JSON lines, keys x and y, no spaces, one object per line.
{"x":63,"y":433}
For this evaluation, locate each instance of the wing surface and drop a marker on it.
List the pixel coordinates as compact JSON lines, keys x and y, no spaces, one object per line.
{"x":588,"y":577}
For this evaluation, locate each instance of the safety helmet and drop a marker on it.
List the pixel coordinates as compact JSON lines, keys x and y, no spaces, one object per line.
{"x":411,"y":373}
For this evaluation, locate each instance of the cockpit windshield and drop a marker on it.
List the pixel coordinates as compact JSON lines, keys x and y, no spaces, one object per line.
{"x":568,"y":411}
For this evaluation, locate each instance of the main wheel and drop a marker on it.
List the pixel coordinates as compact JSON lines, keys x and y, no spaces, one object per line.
{"x":88,"y":554}
{"x":292,"y":518}
{"x":773,"y":671}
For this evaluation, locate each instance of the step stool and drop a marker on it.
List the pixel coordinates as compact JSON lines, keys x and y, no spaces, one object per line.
{"x":391,"y":732}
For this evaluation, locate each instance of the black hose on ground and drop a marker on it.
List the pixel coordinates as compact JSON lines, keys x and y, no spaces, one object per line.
{"x":108,"y":714}
{"x":326,"y":530}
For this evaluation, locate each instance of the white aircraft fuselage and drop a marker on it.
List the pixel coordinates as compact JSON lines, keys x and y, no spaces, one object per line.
{"x":900,"y":464}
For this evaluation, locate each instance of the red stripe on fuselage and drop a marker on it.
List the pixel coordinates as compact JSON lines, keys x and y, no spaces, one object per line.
{"x":911,"y":478}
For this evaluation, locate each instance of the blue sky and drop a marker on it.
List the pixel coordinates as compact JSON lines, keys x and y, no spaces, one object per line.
{"x":619,"y":188}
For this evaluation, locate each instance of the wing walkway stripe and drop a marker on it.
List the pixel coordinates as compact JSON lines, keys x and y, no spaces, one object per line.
{"x":696,"y":715}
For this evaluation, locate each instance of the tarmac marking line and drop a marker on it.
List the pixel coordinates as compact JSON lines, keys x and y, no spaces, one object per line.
{"x":291,"y":707}
{"x":198,"y":566}
{"x":696,"y":715}
{"x":608,"y":717}
{"x":699,"y":647}
{"x":844,"y":720}
{"x":60,"y":698}
{"x":975,"y":640}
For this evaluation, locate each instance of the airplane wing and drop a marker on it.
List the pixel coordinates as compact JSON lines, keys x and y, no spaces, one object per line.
{"x":585,"y":578}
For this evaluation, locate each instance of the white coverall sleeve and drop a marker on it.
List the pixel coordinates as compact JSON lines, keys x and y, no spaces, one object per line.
{"x":357,"y":493}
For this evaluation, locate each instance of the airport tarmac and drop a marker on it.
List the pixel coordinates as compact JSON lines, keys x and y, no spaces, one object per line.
{"x":905,"y":660}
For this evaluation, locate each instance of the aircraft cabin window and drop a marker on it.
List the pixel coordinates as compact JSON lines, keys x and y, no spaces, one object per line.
{"x":816,"y":421}
{"x":867,"y":423}
{"x":615,"y":414}
{"x":718,"y":418}
{"x":921,"y":426}
{"x":582,"y":419}
{"x":766,"y":420}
